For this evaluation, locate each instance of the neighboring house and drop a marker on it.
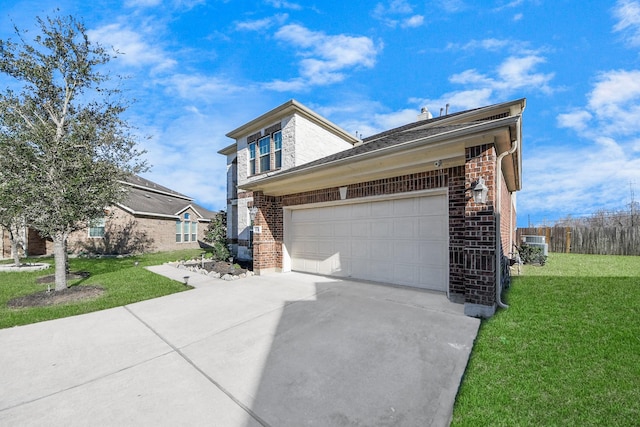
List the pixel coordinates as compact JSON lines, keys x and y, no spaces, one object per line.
{"x":396,"y":207}
{"x":152,"y":218}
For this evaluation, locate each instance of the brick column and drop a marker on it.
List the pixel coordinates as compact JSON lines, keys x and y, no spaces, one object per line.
{"x":267,"y":245}
{"x":457,"y":204}
{"x":480,"y":235}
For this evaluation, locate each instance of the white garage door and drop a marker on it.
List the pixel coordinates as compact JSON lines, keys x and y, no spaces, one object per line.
{"x":401,"y":241}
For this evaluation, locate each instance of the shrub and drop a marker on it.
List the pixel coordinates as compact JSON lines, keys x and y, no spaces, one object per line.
{"x":532,"y":254}
{"x":219,"y":252}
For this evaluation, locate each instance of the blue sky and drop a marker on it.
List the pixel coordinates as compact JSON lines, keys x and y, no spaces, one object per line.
{"x":198,"y":69}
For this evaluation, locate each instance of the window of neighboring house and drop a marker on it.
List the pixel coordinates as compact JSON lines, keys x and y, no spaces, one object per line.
{"x":178,"y":231}
{"x":96,"y":228}
{"x":252,"y":159}
{"x":265,"y":153}
{"x":186,"y":230}
{"x":277,"y":141}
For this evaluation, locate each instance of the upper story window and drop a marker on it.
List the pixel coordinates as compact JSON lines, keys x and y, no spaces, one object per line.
{"x":277,"y":142}
{"x":265,"y":153}
{"x":252,"y":159}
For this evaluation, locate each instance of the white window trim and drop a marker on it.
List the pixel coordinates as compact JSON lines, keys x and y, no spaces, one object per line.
{"x":95,"y":224}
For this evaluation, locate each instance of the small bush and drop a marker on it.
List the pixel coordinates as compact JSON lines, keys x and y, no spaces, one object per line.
{"x":219,"y":252}
{"x":532,"y":254}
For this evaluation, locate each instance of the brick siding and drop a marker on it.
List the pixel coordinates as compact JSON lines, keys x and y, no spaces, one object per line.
{"x":471,"y":226}
{"x":479,"y":235}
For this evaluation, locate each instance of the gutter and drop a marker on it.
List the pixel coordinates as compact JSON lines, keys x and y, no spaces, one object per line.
{"x":498,"y":187}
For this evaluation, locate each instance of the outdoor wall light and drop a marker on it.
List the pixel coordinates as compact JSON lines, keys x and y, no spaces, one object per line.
{"x":480,"y":192}
{"x":253,"y":211}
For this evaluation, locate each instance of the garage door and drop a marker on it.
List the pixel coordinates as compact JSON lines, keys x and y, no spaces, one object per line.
{"x":401,"y":241}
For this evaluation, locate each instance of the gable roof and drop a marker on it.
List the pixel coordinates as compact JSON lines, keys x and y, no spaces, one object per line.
{"x":146,"y":198}
{"x":409,"y":148}
{"x":287,"y":109}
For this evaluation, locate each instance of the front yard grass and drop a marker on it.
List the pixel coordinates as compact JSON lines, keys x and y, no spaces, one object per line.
{"x":566,"y":352}
{"x":123,"y":283}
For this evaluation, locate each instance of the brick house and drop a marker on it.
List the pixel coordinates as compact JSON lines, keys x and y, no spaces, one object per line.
{"x":395,"y":207}
{"x":152,"y":218}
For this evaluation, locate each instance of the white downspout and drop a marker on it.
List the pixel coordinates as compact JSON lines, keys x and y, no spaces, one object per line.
{"x":498,"y":187}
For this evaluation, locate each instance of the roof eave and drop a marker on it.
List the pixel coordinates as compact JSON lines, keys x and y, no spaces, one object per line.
{"x":290,"y":107}
{"x":440,"y":141}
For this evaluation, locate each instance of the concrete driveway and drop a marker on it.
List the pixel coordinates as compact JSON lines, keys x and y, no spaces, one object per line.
{"x":280,"y":350}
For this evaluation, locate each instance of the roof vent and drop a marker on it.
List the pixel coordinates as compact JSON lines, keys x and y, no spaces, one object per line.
{"x":425,"y":114}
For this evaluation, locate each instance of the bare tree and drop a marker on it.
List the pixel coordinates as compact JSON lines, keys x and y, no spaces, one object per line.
{"x":64,"y":130}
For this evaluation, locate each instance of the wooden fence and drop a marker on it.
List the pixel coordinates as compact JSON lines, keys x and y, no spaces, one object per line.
{"x":588,"y":240}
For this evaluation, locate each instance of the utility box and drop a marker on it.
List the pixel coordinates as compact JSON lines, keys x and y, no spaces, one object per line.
{"x":537,"y":241}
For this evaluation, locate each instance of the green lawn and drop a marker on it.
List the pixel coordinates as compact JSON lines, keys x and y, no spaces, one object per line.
{"x":566,"y":352}
{"x":124,"y":283}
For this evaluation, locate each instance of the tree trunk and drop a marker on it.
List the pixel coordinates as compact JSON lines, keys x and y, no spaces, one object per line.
{"x":13,"y":238}
{"x":60,"y":258}
{"x":15,"y":252}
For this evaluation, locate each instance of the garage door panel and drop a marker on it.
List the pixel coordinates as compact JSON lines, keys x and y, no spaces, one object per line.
{"x":431,"y":253}
{"x":432,"y":227}
{"x":341,"y":229}
{"x":360,"y":248}
{"x":404,"y":228}
{"x":326,"y":248}
{"x":403,"y":208}
{"x":382,"y":228}
{"x":403,"y":241}
{"x":379,"y":250}
{"x":407,"y":251}
{"x":361,"y":228}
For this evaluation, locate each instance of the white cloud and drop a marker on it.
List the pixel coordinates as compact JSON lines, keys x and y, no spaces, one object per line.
{"x":280,"y":4}
{"x":261,"y":24}
{"x":200,"y":87}
{"x":614,"y":88}
{"x":396,"y":13}
{"x":578,"y":180}
{"x":413,"y":22}
{"x":452,"y":6}
{"x":515,"y":75}
{"x":518,"y":72}
{"x":613,"y":106}
{"x":325,"y":58}
{"x":458,"y":100}
{"x":577,"y":120}
{"x":627,"y":12}
{"x":510,"y":5}
{"x":142,"y":3}
{"x":511,"y":46}
{"x":595,"y":173}
{"x":134,"y":50}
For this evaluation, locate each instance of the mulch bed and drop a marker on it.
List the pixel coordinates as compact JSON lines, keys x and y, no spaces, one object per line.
{"x":46,"y":298}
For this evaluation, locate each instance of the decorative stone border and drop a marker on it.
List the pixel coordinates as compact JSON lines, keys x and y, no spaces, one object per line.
{"x":36,"y":266}
{"x":187,"y":265}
